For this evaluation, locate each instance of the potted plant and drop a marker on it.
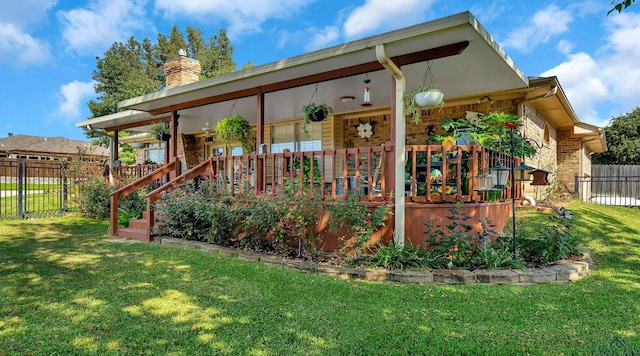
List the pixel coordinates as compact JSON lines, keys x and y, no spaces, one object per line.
{"x":423,"y":97}
{"x":161,"y":131}
{"x":314,"y":112}
{"x":235,"y":127}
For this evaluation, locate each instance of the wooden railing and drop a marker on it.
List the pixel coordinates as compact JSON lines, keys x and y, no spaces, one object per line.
{"x":436,"y":173}
{"x":156,"y":176}
{"x":137,"y":171}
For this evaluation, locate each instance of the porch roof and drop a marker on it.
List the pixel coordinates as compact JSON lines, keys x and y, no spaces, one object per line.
{"x":481,"y":67}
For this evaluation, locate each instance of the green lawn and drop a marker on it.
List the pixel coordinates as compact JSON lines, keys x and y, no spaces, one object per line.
{"x":64,"y":289}
{"x":46,"y":204}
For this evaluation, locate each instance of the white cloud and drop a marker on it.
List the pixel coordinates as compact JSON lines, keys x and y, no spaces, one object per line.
{"x":565,"y":47}
{"x":581,"y":84}
{"x":323,"y":38}
{"x":74,"y":94}
{"x":611,"y":78}
{"x":94,"y":28}
{"x":545,"y":24}
{"x":377,"y":14}
{"x":18,"y":48}
{"x":243,"y":16}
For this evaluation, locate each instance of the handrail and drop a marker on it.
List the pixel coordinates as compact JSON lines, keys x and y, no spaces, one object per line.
{"x":134,"y":186}
{"x":155,"y":194}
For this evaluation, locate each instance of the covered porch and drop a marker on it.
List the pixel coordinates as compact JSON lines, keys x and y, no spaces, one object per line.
{"x":466,"y":60}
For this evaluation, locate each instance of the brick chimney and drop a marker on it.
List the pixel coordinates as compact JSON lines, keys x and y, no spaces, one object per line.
{"x":181,"y":70}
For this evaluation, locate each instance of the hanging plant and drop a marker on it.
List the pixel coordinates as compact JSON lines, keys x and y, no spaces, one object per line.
{"x":235,"y":127}
{"x":161,"y":131}
{"x":426,"y":96}
{"x":314,"y":111}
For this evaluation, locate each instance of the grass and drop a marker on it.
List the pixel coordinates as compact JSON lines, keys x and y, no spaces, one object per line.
{"x":65,"y":289}
{"x":39,"y":204}
{"x":30,"y":186}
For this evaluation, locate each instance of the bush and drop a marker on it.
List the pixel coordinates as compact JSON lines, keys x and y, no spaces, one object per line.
{"x":460,"y":246}
{"x":547,"y":242}
{"x":184,"y":213}
{"x":357,"y":219}
{"x":93,"y":196}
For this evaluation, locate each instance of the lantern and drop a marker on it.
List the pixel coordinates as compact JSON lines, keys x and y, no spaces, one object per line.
{"x":502,"y":175}
{"x":483,"y":182}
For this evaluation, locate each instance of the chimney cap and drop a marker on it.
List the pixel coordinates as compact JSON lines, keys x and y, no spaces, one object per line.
{"x":182,"y":52}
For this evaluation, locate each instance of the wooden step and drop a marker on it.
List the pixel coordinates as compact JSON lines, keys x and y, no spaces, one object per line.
{"x":135,"y":234}
{"x":139,"y":224}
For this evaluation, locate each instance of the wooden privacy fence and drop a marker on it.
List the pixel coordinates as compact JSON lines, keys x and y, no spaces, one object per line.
{"x":610,"y":185}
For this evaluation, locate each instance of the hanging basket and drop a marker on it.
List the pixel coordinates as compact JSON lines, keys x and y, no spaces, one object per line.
{"x":315,"y":112}
{"x":428,"y":98}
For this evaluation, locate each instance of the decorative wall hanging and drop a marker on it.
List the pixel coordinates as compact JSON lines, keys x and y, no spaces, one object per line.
{"x":365,"y":130}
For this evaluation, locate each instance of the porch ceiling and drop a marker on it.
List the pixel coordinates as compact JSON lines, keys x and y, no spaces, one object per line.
{"x":288,"y":84}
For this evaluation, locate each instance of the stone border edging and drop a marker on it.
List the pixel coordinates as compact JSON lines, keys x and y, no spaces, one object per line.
{"x":561,"y":272}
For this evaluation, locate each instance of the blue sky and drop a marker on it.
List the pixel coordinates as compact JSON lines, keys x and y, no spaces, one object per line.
{"x":48,"y":47}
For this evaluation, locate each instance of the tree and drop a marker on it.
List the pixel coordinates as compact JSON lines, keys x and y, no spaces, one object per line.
{"x":620,"y":5}
{"x":136,"y":68}
{"x":623,"y":140}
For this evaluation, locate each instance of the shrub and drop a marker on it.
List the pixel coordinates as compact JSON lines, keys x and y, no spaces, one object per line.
{"x":458,"y":242}
{"x":547,"y":242}
{"x":357,"y":219}
{"x":93,"y":196}
{"x":184,"y":213}
{"x":298,"y":222}
{"x":261,"y":216}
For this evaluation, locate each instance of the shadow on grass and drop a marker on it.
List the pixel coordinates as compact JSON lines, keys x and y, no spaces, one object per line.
{"x":68,"y":290}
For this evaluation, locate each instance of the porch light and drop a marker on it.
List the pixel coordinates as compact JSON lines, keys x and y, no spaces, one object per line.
{"x":502,"y":175}
{"x":540,"y":177}
{"x":483,"y":182}
{"x":522,"y":172}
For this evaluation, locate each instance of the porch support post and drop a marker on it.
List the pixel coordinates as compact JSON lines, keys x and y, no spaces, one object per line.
{"x":173,"y":142}
{"x":397,"y":117}
{"x":114,"y":156}
{"x":259,"y":140}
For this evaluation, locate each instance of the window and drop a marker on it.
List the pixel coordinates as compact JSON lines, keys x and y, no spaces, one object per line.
{"x":154,"y":152}
{"x":293,"y":137}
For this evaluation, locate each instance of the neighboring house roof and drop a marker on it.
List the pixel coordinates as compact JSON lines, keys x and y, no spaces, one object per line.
{"x":49,"y":146}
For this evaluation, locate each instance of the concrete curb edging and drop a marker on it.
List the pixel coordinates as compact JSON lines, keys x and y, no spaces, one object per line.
{"x":561,"y":272}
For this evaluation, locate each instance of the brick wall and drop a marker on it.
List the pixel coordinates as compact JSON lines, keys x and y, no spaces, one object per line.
{"x":534,"y":128}
{"x":570,"y":155}
{"x":180,"y":71}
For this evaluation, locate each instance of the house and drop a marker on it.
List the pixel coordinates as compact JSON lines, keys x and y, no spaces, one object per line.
{"x":49,"y":148}
{"x":364,"y":81}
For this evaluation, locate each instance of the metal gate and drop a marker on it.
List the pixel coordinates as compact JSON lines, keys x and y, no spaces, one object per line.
{"x":34,"y":189}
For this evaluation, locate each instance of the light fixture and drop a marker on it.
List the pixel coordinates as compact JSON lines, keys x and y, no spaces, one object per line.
{"x":501,"y":173}
{"x":483,"y":182}
{"x":487,"y":98}
{"x":207,"y":130}
{"x":347,"y":98}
